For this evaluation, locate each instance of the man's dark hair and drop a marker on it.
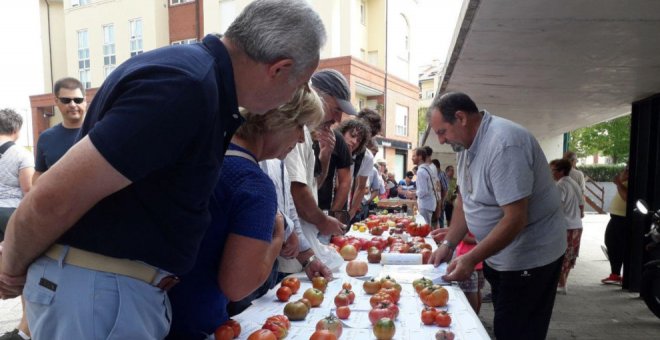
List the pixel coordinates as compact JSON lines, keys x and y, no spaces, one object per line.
{"x":451,"y":102}
{"x":68,"y":83}
{"x":429,"y":150}
{"x":562,"y":165}
{"x":437,"y":164}
{"x":421,"y":152}
{"x":372,"y":118}
{"x":410,"y":174}
{"x":10,"y":122}
{"x":360,"y":128}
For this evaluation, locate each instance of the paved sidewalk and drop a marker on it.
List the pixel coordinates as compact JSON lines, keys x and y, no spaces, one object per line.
{"x":592,"y":310}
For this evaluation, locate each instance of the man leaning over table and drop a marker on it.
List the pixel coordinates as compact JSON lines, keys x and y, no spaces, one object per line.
{"x":128,"y":204}
{"x":509,"y":201}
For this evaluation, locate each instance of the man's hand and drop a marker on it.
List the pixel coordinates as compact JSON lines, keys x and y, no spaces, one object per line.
{"x":330,"y":226}
{"x":326,"y":139}
{"x":290,"y":247}
{"x":317,"y":268}
{"x":439,"y":234}
{"x":10,"y":286}
{"x":442,"y":254}
{"x":459,"y":269}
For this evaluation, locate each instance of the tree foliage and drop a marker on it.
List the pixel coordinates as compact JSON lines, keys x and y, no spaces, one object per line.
{"x":421,"y":119}
{"x":610,"y":138}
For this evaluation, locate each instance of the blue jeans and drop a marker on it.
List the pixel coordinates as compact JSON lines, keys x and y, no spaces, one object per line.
{"x":69,"y":302}
{"x":523,"y":300}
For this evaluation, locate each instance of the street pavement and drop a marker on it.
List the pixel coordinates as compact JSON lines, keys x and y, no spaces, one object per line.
{"x":590,"y":310}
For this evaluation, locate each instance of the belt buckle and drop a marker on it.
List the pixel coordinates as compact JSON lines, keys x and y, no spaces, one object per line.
{"x":168,"y":282}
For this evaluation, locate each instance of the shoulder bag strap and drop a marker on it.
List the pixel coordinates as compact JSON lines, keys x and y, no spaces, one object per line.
{"x":238,"y":153}
{"x":5,"y":147}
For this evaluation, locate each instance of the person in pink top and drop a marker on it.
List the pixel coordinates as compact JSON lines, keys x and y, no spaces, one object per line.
{"x":472,"y":286}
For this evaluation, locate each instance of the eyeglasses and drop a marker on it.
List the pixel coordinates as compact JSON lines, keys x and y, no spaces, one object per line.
{"x":65,"y":100}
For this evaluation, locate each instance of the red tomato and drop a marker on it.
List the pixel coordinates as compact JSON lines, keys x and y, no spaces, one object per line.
{"x":351,"y":295}
{"x":293,"y":283}
{"x":343,"y":312}
{"x":281,"y":318}
{"x":443,"y":319}
{"x":278,"y":328}
{"x":235,"y":326}
{"x":378,"y":298}
{"x":323,"y":335}
{"x":224,"y":332}
{"x":342,"y":300}
{"x":330,"y":323}
{"x":262,"y":334}
{"x":284,"y":293}
{"x":380,"y":312}
{"x":428,"y":315}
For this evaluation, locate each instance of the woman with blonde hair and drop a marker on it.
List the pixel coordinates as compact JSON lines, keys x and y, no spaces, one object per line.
{"x":244,"y":231}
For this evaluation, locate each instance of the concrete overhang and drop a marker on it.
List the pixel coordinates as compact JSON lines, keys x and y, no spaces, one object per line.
{"x":554,"y":66}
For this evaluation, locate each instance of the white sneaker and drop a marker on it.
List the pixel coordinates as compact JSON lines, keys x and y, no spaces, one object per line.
{"x":561,"y":290}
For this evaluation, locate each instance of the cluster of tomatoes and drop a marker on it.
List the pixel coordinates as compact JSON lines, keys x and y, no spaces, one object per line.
{"x":385,"y":294}
{"x":432,"y":296}
{"x":312,"y":297}
{"x":344,"y":298}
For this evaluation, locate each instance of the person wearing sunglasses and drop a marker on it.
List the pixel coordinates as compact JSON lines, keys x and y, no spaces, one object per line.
{"x":54,"y":142}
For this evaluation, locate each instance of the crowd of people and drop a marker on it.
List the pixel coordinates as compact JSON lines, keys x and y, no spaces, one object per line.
{"x":195,"y":162}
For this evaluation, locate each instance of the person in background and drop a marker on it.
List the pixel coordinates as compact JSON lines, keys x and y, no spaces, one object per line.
{"x":392,"y":186}
{"x":578,"y":177}
{"x":425,"y":191}
{"x":569,"y":192}
{"x":443,"y":185}
{"x":406,"y":188}
{"x":615,"y":233}
{"x":451,"y":193}
{"x":475,"y":283}
{"x":142,"y":174}
{"x":510,"y":203}
{"x":54,"y":142}
{"x":244,"y":230}
{"x":16,"y":171}
{"x":363,"y":162}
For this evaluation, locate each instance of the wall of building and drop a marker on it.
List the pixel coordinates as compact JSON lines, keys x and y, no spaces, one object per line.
{"x":553,"y":147}
{"x":53,"y":42}
{"x":154,"y":15}
{"x":181,"y":21}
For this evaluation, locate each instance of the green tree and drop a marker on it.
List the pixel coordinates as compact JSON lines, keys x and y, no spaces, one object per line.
{"x":421,"y":119}
{"x":610,"y":138}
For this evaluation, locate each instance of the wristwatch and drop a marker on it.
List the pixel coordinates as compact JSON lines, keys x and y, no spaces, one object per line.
{"x":308,"y":262}
{"x":448,"y":244}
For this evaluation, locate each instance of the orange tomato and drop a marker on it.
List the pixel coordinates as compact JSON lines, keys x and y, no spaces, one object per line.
{"x":235,"y":326}
{"x":262,"y":334}
{"x":283,"y":293}
{"x":443,"y":319}
{"x":438,"y":298}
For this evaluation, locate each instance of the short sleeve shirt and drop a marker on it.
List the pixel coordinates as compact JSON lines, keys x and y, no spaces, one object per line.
{"x":52,"y":145}
{"x":12,"y":162}
{"x":340,"y":159}
{"x":163,"y":120}
{"x":505,"y":164}
{"x":243,"y":203}
{"x":569,"y":191}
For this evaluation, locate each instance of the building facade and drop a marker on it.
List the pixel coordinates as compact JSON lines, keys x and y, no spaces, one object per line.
{"x":369,"y":41}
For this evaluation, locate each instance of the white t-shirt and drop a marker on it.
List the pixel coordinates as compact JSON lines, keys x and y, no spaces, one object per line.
{"x":578,"y":177}
{"x":505,"y":164}
{"x":569,"y":191}
{"x":12,"y":162}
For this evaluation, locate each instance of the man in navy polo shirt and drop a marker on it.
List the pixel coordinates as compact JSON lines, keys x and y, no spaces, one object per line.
{"x":127,"y":206}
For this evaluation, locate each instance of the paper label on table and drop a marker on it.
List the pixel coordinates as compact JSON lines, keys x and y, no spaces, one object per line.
{"x":400,"y":259}
{"x":409,"y":273}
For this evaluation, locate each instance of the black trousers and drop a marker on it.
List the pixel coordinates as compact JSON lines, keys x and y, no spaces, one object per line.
{"x":5,"y":214}
{"x":523,"y":300}
{"x":615,"y":240}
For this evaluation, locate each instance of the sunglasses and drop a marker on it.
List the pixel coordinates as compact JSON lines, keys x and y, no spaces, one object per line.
{"x":65,"y":100}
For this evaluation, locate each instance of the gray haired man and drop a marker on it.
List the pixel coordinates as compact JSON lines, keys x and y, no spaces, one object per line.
{"x":124,"y":211}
